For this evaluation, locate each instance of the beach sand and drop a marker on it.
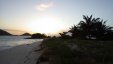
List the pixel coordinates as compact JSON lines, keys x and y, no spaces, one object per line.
{"x":22,"y":54}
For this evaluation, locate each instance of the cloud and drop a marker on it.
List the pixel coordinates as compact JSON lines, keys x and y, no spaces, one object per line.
{"x":44,"y":6}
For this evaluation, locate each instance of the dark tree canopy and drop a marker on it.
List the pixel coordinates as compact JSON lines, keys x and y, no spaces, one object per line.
{"x":92,"y":28}
{"x":38,"y":35}
{"x":26,"y":34}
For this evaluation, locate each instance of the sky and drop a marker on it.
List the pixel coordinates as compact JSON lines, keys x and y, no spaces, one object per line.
{"x":50,"y":16}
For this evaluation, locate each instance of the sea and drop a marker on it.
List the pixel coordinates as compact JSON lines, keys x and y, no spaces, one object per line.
{"x":7,"y":42}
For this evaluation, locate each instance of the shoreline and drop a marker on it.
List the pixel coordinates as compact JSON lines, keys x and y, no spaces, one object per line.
{"x":22,"y":54}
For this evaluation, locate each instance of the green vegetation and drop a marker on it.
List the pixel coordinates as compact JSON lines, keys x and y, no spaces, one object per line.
{"x":72,"y":51}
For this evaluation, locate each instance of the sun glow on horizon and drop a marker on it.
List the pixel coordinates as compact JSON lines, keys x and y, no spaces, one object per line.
{"x":45,"y":24}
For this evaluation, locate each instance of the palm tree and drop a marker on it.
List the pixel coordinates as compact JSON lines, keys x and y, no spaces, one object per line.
{"x":100,"y":29}
{"x":86,"y":26}
{"x":91,"y":27}
{"x":94,"y":27}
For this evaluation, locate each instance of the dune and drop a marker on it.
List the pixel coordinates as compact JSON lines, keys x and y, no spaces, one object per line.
{"x":22,"y":54}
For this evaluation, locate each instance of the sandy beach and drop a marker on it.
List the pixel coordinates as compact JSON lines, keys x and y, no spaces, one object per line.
{"x":22,"y":54}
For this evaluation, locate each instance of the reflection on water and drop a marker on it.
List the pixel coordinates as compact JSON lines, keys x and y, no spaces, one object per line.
{"x":11,"y":41}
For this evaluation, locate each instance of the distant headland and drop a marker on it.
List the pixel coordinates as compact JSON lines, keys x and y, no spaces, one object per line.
{"x":3,"y":33}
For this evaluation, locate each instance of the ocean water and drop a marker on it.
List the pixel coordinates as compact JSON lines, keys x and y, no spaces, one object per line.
{"x":7,"y":42}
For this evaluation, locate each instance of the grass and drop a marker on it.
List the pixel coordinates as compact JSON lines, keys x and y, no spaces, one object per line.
{"x":72,"y":51}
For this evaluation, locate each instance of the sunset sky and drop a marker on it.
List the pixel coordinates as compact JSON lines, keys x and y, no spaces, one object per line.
{"x":50,"y":16}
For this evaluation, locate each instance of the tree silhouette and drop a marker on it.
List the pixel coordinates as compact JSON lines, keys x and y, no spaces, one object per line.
{"x":75,"y":31}
{"x":99,"y":29}
{"x":38,"y":35}
{"x":91,"y":27}
{"x":86,"y":26}
{"x":109,"y":35}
